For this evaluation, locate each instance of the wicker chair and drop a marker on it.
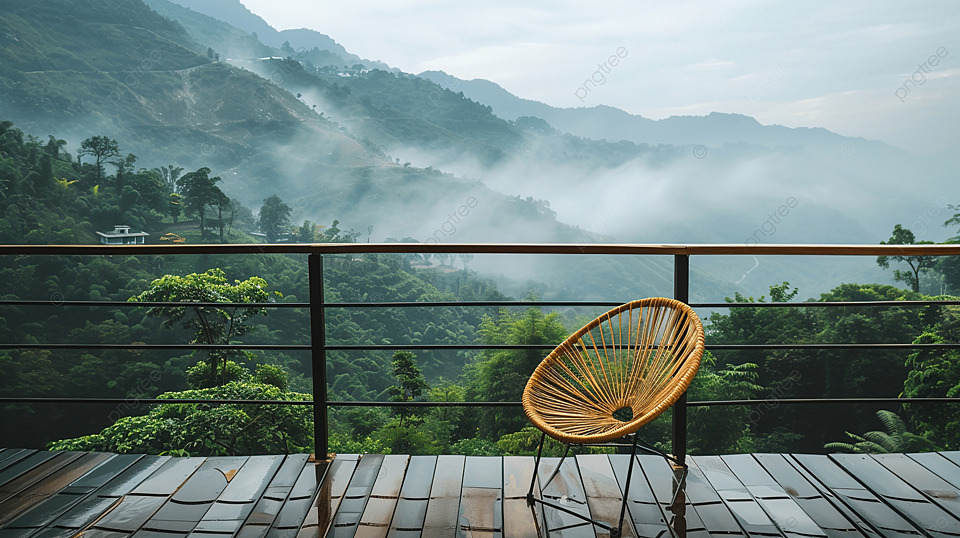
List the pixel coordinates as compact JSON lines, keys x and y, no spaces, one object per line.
{"x":611,"y":377}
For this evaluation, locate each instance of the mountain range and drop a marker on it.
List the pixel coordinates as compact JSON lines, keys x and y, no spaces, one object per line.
{"x":208,"y":83}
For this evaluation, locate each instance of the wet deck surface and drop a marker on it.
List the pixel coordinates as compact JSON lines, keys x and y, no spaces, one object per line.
{"x":54,"y":494}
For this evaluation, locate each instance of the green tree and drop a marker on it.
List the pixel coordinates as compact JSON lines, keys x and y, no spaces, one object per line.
{"x":501,"y":375}
{"x":174,"y":206}
{"x":199,"y":190}
{"x":410,"y":381}
{"x":221,"y":203}
{"x":274,"y":217}
{"x":936,"y":373}
{"x":211,"y":324}
{"x":170,"y":175}
{"x":917,"y":264}
{"x":101,"y":148}
{"x":124,"y":166}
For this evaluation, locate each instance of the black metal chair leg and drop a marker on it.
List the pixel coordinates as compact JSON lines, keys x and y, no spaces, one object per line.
{"x":615,"y":533}
{"x":536,"y":466}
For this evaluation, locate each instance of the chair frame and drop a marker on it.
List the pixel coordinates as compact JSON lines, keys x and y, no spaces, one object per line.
{"x":668,"y":357}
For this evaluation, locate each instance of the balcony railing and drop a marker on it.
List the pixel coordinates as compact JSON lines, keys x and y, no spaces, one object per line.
{"x":317,"y":306}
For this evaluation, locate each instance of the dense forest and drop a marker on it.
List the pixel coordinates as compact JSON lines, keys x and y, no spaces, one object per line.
{"x":50,"y":196}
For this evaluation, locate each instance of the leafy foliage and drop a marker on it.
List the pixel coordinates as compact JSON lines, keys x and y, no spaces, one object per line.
{"x":917,"y":264}
{"x":896,"y":438}
{"x":211,"y":325}
{"x":274,"y":217}
{"x":210,"y":429}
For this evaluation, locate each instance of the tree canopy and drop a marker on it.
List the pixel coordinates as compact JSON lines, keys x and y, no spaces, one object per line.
{"x":274,"y":217}
{"x":212,"y":325}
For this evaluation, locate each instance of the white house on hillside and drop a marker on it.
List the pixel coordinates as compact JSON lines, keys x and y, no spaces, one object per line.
{"x":121,"y":235}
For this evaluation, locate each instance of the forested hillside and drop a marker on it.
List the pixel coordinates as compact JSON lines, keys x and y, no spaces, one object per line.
{"x":50,"y":197}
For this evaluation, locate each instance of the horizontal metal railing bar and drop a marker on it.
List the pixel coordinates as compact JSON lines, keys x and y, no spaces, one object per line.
{"x":430,"y":304}
{"x":375,"y":347}
{"x":151,"y":401}
{"x":491,"y":248}
{"x":427,"y":304}
{"x":147,"y":304}
{"x":276,"y":347}
{"x":472,"y":347}
{"x":716,"y":347}
{"x":140,"y":401}
{"x":805,"y":401}
{"x":760,"y":347}
{"x":827,"y":304}
{"x":366,"y":403}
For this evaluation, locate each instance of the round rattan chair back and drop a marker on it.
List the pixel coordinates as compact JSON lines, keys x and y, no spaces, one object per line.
{"x":635,"y":360}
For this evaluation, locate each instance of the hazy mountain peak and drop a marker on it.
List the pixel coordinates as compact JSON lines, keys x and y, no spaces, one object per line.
{"x":303,"y":40}
{"x":603,"y":122}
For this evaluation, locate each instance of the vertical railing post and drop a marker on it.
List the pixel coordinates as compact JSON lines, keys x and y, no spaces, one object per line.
{"x":681,"y":292}
{"x":318,"y":351}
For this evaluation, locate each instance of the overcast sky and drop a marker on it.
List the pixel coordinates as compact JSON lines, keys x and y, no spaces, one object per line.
{"x":845,"y":66}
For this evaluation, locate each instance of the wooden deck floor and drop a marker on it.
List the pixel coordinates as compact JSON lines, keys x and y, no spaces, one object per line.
{"x":48,"y":494}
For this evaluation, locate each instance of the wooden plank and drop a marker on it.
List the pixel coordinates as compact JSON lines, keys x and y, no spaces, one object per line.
{"x":347,"y":518}
{"x":44,"y":501}
{"x":941,"y":466}
{"x":302,"y":496}
{"x":21,"y":476}
{"x":411,"y":508}
{"x":11,"y":456}
{"x":481,"y":499}
{"x":44,"y":480}
{"x":779,"y":506}
{"x":604,"y":496}
{"x":899,"y":494}
{"x":935,"y":489}
{"x":953,"y":456}
{"x":168,"y":478}
{"x":106,"y":495}
{"x":191,"y":501}
{"x":565,"y":489}
{"x":809,"y":498}
{"x":749,"y":514}
{"x":336,"y":478}
{"x":130,"y":513}
{"x":444,"y":507}
{"x":23,"y":465}
{"x":520,"y":520}
{"x":376,"y":517}
{"x":652,"y":513}
{"x":274,"y":497}
{"x":238,"y":499}
{"x":862,"y":504}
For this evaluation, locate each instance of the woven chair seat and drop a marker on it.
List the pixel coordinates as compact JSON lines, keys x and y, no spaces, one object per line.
{"x":640,"y":357}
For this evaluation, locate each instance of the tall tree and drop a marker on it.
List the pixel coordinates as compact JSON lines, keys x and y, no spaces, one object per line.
{"x":124,"y":168}
{"x":170,"y":174}
{"x":274,"y":217}
{"x":221,"y":204}
{"x":903,"y":236}
{"x":410,"y":381}
{"x":211,"y":324}
{"x":101,"y":148}
{"x":198,"y":190}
